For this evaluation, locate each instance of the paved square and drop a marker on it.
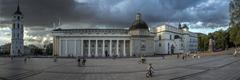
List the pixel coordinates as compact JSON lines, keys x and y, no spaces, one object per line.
{"x":221,"y":67}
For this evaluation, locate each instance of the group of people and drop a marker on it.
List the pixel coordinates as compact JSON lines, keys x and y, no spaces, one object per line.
{"x":26,"y":58}
{"x":83,"y":61}
{"x":184,"y":56}
{"x":80,"y":61}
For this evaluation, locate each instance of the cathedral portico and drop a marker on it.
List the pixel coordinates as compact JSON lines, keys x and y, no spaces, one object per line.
{"x":91,"y":47}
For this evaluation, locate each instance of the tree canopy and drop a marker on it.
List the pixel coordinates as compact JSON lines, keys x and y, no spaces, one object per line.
{"x":234,"y":30}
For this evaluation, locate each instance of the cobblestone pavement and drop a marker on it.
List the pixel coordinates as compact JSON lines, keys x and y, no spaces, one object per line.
{"x":220,"y":67}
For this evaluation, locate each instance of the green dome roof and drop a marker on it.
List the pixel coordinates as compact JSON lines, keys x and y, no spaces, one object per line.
{"x":138,"y":23}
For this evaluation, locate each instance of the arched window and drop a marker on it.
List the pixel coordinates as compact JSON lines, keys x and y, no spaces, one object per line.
{"x":143,"y":46}
{"x":18,"y":17}
{"x":177,"y":37}
{"x":160,"y":37}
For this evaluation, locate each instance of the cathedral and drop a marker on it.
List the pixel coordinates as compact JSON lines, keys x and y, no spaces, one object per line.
{"x":17,"y":45}
{"x":137,"y":40}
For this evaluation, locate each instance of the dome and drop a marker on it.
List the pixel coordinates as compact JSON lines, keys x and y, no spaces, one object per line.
{"x":138,"y":23}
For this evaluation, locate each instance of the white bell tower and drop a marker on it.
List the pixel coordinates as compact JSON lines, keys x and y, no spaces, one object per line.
{"x":17,"y":45}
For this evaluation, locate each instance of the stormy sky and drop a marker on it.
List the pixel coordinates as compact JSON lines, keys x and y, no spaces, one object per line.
{"x":39,"y":15}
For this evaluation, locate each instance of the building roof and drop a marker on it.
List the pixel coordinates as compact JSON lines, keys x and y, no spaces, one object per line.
{"x":59,"y":29}
{"x":185,"y":26}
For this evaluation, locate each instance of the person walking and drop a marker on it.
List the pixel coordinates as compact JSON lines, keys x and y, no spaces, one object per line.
{"x":25,"y":59}
{"x":55,"y":58}
{"x":163,"y":56}
{"x":79,"y":62}
{"x":178,"y":55}
{"x":149,"y":70}
{"x":235,"y":52}
{"x":183,"y":56}
{"x":143,"y":60}
{"x":11,"y":57}
{"x":84,"y":61}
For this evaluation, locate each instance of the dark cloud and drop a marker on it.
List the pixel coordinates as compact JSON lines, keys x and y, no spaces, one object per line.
{"x":117,"y":12}
{"x":45,"y":12}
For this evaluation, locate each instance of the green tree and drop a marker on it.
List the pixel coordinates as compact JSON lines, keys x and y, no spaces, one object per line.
{"x":35,"y":50}
{"x":203,"y":40}
{"x":234,"y":31}
{"x":221,"y":38}
{"x":235,"y":35}
{"x":5,"y":49}
{"x":49,"y":49}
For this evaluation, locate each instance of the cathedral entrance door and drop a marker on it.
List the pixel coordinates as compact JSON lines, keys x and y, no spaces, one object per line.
{"x":106,"y":53}
{"x":172,"y":49}
{"x":19,"y":52}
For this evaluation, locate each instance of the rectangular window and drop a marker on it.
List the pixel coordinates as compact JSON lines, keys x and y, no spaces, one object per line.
{"x":14,"y":26}
{"x":18,"y":26}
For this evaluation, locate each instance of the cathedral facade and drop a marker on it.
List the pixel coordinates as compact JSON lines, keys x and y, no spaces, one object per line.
{"x":137,"y":40}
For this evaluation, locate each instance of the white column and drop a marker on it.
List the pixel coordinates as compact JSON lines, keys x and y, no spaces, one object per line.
{"x":131,"y":54}
{"x":103,"y":49}
{"x":124,"y":48}
{"x":110,"y":50}
{"x":60,"y":48}
{"x":81,"y":47}
{"x":89,"y":45}
{"x":117,"y":48}
{"x":66,"y":51}
{"x":54,"y":46}
{"x":75,"y":49}
{"x":96,"y":49}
